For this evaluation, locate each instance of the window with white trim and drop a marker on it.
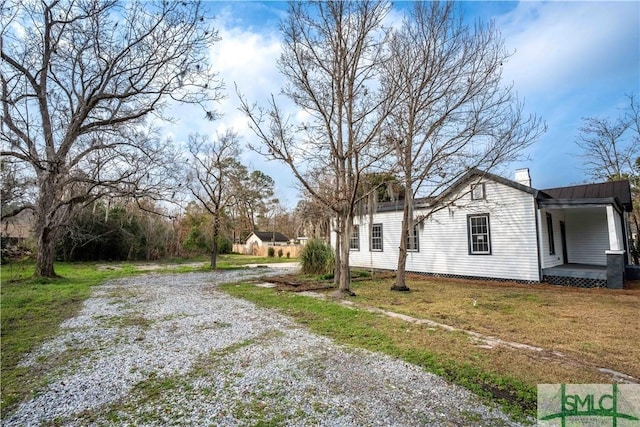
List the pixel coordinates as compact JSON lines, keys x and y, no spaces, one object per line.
{"x":375,"y":244}
{"x":479,"y":236}
{"x":477,"y":191}
{"x":354,"y":241}
{"x":413,"y":244}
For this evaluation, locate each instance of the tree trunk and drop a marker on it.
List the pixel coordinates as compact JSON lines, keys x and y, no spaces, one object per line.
{"x":338,"y":257}
{"x":344,"y":283}
{"x":46,"y":254}
{"x":400,"y":284}
{"x":47,"y":225}
{"x":345,"y":271}
{"x":214,"y":244}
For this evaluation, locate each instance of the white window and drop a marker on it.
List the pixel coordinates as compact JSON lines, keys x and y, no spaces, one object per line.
{"x":479,"y":236}
{"x":376,"y":238}
{"x":477,"y":191}
{"x":354,"y":242}
{"x":412,"y":240}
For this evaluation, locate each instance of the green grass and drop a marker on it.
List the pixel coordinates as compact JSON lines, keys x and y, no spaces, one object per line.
{"x":235,"y":260}
{"x":31,"y":310}
{"x":394,"y":337}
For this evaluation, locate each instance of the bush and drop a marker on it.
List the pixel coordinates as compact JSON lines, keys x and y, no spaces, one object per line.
{"x":288,"y":255}
{"x":224,"y":245}
{"x":280,"y":253}
{"x":317,"y":258}
{"x":271,"y":252}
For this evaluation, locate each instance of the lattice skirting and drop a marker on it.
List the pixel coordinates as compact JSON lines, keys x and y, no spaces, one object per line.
{"x":580,"y":282}
{"x":460,"y":276}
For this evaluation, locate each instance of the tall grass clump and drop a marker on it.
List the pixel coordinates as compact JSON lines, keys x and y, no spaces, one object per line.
{"x":317,"y":257}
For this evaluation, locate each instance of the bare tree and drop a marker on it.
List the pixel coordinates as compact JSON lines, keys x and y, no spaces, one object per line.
{"x":78,"y":80}
{"x":331,"y":59}
{"x":254,"y":193}
{"x":453,"y":113}
{"x":611,"y":148}
{"x":611,"y":152}
{"x":213,"y":176}
{"x":312,"y":219}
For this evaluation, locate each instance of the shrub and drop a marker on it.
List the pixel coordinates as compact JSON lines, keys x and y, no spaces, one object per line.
{"x":271,"y":252}
{"x":279,"y":253}
{"x":317,"y":258}
{"x":224,"y":245}
{"x":288,"y":255}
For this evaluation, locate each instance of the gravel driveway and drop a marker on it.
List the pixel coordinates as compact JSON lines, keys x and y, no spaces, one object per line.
{"x":173,"y":350}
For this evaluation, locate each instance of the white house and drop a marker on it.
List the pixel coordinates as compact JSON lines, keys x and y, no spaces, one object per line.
{"x":267,"y":238}
{"x":487,"y":226}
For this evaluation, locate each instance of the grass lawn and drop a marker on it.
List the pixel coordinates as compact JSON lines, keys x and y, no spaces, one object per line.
{"x":31,"y":310}
{"x":593,"y":328}
{"x":597,"y":326}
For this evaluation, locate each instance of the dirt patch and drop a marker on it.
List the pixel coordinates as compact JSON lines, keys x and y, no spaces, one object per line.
{"x":292,"y":284}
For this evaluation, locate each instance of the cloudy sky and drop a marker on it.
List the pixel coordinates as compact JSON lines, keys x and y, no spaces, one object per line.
{"x":571,"y":60}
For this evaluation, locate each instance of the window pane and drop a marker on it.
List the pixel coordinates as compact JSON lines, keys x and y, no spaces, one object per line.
{"x":412,"y":239}
{"x":354,"y":243}
{"x":376,"y":237}
{"x":479,"y":234}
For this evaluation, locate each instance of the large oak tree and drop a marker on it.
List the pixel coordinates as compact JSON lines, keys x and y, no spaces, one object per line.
{"x":79,"y":79}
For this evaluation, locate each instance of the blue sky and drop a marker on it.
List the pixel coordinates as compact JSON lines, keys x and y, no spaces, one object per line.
{"x":571,"y":60}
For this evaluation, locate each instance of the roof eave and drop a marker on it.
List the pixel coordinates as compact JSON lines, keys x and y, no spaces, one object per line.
{"x":578,"y":203}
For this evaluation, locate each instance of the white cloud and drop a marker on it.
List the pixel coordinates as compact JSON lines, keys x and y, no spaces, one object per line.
{"x":246,"y":58}
{"x":561,"y":46}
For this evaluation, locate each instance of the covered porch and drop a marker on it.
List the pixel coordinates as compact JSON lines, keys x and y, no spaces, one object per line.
{"x":574,"y":274}
{"x":583,"y":242}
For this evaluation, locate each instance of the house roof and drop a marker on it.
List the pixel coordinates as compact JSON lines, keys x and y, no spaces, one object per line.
{"x":477,"y":173}
{"x":618,"y":190}
{"x":268,"y":236}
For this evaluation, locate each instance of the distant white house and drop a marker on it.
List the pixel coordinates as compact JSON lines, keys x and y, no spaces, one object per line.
{"x":492,"y":227}
{"x":267,"y":238}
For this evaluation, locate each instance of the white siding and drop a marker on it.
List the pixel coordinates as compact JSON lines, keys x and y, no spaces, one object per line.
{"x":253,"y":239}
{"x":444,"y":244}
{"x":587,"y":236}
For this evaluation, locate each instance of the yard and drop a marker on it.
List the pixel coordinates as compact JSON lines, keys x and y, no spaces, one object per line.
{"x":581,"y":335}
{"x":597,"y":327}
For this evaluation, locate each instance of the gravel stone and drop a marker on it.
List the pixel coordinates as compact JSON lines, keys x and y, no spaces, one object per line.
{"x":171,"y":349}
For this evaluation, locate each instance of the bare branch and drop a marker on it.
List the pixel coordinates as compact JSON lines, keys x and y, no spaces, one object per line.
{"x":78,"y":80}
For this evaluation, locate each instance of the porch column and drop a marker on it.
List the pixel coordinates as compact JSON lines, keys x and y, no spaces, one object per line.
{"x":615,"y":230}
{"x":615,"y":254}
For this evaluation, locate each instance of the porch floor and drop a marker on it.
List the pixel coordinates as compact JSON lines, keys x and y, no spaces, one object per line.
{"x":582,"y":271}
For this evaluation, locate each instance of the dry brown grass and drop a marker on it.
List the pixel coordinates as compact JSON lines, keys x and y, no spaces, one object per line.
{"x":593,"y":328}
